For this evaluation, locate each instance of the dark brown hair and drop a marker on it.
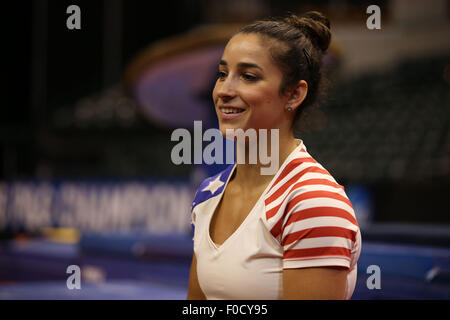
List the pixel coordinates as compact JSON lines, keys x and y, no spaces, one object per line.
{"x":296,"y":44}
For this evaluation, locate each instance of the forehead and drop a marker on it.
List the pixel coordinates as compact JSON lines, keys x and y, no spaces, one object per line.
{"x":247,"y":48}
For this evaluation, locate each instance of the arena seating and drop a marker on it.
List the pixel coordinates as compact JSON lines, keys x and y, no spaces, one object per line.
{"x":390,"y":126}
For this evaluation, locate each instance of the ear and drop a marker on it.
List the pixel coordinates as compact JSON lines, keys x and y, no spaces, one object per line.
{"x":298,"y":94}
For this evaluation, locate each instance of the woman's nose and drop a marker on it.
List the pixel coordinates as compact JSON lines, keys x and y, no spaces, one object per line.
{"x":226,"y":89}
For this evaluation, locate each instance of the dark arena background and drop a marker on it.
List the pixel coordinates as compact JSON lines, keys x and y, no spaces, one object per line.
{"x":87,"y":114}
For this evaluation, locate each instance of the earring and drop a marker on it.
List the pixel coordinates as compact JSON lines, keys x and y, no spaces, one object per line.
{"x":289,"y":108}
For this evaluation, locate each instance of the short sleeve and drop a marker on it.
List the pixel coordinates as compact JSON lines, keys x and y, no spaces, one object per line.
{"x":319,"y":228}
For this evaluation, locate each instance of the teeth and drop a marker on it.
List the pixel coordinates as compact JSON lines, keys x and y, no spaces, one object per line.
{"x":231,"y":110}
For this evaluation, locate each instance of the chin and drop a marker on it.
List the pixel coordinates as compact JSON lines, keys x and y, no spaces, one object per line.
{"x":224,"y":127}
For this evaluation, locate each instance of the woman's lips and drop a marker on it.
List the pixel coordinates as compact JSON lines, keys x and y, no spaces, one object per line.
{"x":230,"y":116}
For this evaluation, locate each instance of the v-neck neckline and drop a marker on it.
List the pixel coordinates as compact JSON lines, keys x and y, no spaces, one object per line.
{"x":220,"y":247}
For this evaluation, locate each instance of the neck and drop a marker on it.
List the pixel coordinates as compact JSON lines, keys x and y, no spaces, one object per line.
{"x":249,"y":174}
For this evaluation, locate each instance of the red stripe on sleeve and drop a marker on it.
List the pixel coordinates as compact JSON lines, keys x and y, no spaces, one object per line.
{"x":293,"y":180}
{"x":319,"y":232}
{"x":276,"y":229}
{"x":317,"y":253}
{"x":317,"y":194}
{"x":320,"y":212}
{"x":291,"y":166}
{"x":270,"y":213}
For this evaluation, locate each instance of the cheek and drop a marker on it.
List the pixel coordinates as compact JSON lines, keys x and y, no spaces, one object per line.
{"x":267,"y":109}
{"x":214,"y":94}
{"x":263,"y":101}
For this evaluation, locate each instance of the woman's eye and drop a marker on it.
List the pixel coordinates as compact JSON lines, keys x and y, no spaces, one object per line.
{"x":221,"y":74}
{"x":246,"y":76}
{"x":250,"y":77}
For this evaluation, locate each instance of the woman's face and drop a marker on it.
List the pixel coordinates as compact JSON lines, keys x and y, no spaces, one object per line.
{"x":246,"y":94}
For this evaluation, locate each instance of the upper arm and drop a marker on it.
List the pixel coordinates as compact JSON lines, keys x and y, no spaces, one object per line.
{"x":194,"y":290}
{"x":315,"y":283}
{"x":319,"y":239}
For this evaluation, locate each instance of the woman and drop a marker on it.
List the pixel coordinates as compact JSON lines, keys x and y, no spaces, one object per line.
{"x":292,"y":235}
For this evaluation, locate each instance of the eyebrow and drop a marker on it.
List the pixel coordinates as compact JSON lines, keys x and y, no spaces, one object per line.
{"x":242,"y":65}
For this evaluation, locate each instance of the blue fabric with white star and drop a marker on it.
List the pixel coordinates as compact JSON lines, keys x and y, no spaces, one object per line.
{"x":203,"y":195}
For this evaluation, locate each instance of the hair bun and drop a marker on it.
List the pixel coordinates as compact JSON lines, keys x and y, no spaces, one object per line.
{"x":316,"y":27}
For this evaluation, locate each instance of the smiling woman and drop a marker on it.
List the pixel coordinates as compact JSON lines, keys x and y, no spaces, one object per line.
{"x":292,"y":234}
